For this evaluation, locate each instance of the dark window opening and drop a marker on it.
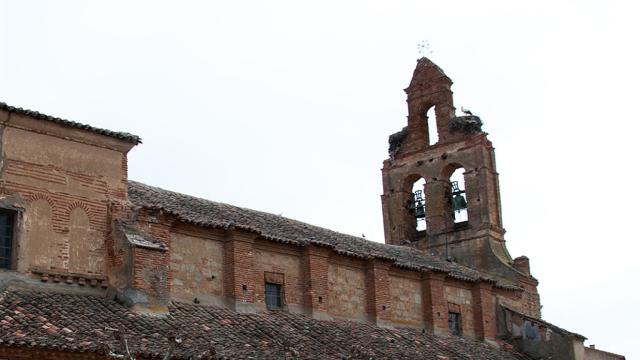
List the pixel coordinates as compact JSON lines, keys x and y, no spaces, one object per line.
{"x":454,"y":323}
{"x":273,"y":296}
{"x":6,"y":239}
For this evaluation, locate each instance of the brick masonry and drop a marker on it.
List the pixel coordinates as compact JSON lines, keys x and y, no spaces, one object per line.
{"x":68,"y":198}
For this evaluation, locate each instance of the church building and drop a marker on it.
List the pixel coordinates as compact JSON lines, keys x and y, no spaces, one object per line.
{"x":96,"y":266}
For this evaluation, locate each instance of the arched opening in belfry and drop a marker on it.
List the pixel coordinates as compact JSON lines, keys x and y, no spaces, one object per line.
{"x":458,"y":196}
{"x":430,"y":117}
{"x":418,"y":204}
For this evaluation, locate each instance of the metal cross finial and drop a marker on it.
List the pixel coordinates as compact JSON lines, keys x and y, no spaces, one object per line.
{"x":424,"y":48}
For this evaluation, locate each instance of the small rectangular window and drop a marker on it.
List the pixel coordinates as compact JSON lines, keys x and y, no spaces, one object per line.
{"x":273,"y":296}
{"x":6,"y":239}
{"x":455,"y":327}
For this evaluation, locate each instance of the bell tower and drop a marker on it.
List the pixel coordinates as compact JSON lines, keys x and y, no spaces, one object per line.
{"x":443,"y":197}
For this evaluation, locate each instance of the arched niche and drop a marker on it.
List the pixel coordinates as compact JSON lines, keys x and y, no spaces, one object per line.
{"x":415,"y":205}
{"x":79,"y":241}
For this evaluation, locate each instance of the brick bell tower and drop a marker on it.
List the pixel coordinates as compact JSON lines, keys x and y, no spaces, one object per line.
{"x":424,"y":204}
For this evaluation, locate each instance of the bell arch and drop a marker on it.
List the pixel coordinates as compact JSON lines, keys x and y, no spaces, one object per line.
{"x":456,"y":204}
{"x":415,"y":206}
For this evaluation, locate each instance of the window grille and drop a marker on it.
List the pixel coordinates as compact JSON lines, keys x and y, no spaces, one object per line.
{"x":273,"y":296}
{"x":6,"y":239}
{"x":454,"y":324}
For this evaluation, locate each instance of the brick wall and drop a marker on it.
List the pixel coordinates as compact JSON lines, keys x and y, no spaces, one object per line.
{"x":196,"y":267}
{"x":285,"y":262}
{"x":151,"y":274}
{"x":63,"y":194}
{"x":315,"y":278}
{"x":238,"y":265}
{"x":347,"y":289}
{"x":459,"y":294}
{"x":405,"y":298}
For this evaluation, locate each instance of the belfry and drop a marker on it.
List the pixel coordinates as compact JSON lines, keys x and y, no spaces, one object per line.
{"x":443,"y":196}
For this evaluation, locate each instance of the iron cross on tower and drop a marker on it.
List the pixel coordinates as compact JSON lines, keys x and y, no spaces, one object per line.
{"x":424,"y":48}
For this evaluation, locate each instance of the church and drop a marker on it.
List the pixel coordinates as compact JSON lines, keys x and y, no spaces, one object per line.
{"x":96,"y":266}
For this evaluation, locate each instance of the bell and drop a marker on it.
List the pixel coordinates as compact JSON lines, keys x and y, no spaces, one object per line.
{"x":419,"y":211}
{"x":459,"y":203}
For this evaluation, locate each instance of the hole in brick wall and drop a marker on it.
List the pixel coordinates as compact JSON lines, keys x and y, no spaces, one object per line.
{"x":213,"y":277}
{"x":244,"y":287}
{"x":320,"y":299}
{"x":384,"y":307}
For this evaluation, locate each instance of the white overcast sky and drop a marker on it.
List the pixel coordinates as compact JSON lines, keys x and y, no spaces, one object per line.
{"x":286,"y":106}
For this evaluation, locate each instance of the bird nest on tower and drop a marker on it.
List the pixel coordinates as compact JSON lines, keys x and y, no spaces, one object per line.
{"x":467,"y":124}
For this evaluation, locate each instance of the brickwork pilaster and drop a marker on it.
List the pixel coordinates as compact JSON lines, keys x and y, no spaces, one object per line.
{"x":435,"y":306}
{"x":239,"y":277}
{"x":484,"y":311}
{"x":377,"y":285}
{"x":315,"y":269}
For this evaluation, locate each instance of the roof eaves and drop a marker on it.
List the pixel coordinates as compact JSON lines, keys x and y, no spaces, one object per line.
{"x":134,"y":139}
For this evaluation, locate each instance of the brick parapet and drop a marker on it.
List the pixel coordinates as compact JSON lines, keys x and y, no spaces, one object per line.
{"x":434,"y":302}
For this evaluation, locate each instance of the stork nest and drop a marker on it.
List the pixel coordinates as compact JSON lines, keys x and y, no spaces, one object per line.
{"x":395,"y":140}
{"x":467,"y":124}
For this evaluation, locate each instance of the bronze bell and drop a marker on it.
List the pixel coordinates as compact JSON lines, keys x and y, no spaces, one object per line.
{"x":419,"y":210}
{"x":459,"y":203}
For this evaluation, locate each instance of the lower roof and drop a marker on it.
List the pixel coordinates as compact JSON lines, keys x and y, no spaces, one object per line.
{"x":278,"y":228}
{"x":78,"y":323}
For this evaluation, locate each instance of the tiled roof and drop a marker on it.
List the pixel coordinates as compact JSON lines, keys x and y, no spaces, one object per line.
{"x":78,"y":323}
{"x":555,"y":328}
{"x":281,"y":229}
{"x":134,"y":139}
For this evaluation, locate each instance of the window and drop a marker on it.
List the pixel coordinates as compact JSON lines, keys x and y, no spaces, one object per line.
{"x":454,"y":323}
{"x":273,"y":295}
{"x":6,"y":239}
